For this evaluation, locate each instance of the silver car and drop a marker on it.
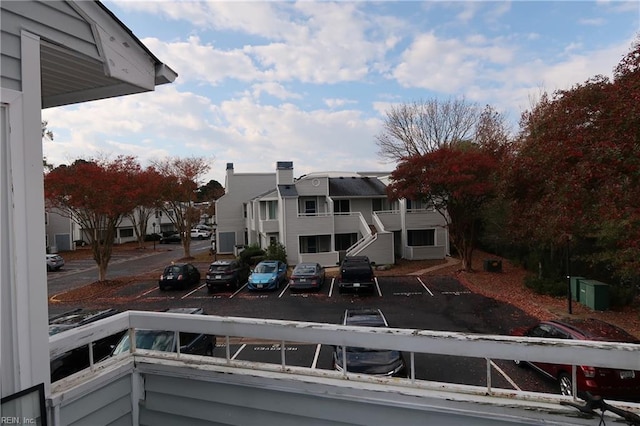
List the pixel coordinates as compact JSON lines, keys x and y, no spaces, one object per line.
{"x":54,"y":262}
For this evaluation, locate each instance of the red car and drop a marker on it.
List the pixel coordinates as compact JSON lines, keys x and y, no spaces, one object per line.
{"x":605,"y":382}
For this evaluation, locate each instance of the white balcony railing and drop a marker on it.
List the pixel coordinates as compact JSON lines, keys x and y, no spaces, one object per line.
{"x":598,"y":354}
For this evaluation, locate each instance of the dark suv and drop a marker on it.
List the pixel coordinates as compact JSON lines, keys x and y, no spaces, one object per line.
{"x":604,"y":382}
{"x":226,"y":273}
{"x":356,"y":273}
{"x":78,"y":359}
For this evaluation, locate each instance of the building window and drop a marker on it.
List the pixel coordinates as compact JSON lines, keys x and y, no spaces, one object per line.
{"x":421,"y":237}
{"x":384,"y":205}
{"x":315,"y":243}
{"x":344,"y":241}
{"x":126,"y":232}
{"x":341,"y":206}
{"x":272,"y":210}
{"x":310,"y":207}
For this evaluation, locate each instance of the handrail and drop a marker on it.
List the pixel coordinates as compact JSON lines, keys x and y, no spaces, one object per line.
{"x":598,"y":354}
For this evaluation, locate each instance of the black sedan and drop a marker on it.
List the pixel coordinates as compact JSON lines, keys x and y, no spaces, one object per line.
{"x":181,"y":275}
{"x":307,"y":276}
{"x":379,"y":362}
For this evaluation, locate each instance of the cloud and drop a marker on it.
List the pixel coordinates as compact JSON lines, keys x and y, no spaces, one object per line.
{"x":447,"y":65}
{"x":314,"y":42}
{"x":240,"y":131}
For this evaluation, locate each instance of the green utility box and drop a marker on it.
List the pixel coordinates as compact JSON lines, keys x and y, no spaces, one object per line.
{"x":492,"y":265}
{"x":574,"y":284}
{"x":594,"y":294}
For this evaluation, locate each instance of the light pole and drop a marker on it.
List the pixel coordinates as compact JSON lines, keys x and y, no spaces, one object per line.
{"x":569,"y":275}
{"x":154,"y":235}
{"x":214,"y":242}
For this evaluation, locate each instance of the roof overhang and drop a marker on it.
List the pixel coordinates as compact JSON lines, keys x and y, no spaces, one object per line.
{"x":121,"y":65}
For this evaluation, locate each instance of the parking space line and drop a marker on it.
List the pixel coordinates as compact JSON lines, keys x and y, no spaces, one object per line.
{"x":315,"y":356}
{"x":283,"y":291}
{"x":238,"y":290}
{"x":507,"y":378}
{"x":333,"y":280}
{"x":244,"y":345}
{"x":193,"y":291}
{"x":148,"y":291}
{"x":424,"y":285}
{"x":375,"y":279}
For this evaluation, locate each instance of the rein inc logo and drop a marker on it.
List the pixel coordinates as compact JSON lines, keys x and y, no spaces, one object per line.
{"x":14,"y":420}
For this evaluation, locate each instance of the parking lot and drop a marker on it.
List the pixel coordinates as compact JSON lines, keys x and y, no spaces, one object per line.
{"x":414,"y":302}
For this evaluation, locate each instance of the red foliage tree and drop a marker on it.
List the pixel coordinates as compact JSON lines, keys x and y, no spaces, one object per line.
{"x":180,"y":178}
{"x":457,"y":181}
{"x":148,"y":198}
{"x":96,"y":194}
{"x":577,"y":170}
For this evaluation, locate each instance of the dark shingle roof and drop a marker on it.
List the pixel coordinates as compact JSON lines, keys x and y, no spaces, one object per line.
{"x":287,"y":190}
{"x":356,"y":187}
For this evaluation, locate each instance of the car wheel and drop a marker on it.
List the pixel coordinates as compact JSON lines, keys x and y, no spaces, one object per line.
{"x":236,"y":284}
{"x":519,"y":363}
{"x":340,"y":290}
{"x":162,"y":288}
{"x":49,"y":268}
{"x":566,"y":387}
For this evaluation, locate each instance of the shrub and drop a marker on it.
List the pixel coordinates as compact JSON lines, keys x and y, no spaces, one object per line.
{"x":251,"y":255}
{"x":276,"y":251}
{"x":546,"y":286}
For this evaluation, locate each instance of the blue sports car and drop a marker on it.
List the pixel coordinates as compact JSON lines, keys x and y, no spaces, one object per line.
{"x":268,"y":275}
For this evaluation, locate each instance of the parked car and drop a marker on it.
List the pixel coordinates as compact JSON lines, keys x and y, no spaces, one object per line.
{"x":379,"y":362}
{"x":165,"y":341}
{"x":226,"y":273}
{"x":78,"y":359}
{"x":200,"y":234}
{"x":171,"y":238}
{"x":54,"y":262}
{"x":604,"y":382}
{"x":80,"y":243}
{"x":180,"y":275}
{"x":153,"y":237}
{"x":268,"y":275}
{"x":307,"y":276}
{"x":356,"y":273}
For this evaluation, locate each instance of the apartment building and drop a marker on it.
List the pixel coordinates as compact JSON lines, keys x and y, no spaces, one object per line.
{"x":321,"y":217}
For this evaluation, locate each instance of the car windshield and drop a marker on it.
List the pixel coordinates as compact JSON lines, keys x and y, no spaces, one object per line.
{"x":148,"y":339}
{"x":265,"y":268}
{"x":172,"y":270}
{"x":218,"y":268}
{"x":304,"y":270}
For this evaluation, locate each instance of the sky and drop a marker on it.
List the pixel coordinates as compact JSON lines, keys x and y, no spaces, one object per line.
{"x":311,"y":81}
